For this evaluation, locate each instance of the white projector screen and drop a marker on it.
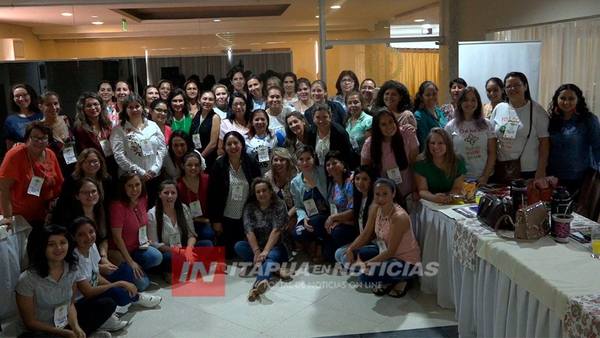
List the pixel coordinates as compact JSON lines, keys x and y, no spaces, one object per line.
{"x":480,"y":60}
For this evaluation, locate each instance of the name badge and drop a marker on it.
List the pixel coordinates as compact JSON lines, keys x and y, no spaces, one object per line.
{"x":69,"y":154}
{"x":94,"y":279}
{"x":263,"y":154}
{"x":174,"y":239}
{"x":333,"y":208}
{"x":353,"y":143}
{"x":61,"y":315}
{"x":197,"y":141}
{"x":381,"y":245}
{"x":143,"y":235}
{"x":106,"y":149}
{"x":311,"y":207}
{"x":146,"y":148}
{"x":35,"y":186}
{"x":237,"y":193}
{"x":196,"y":209}
{"x":510,"y":130}
{"x":394,"y":175}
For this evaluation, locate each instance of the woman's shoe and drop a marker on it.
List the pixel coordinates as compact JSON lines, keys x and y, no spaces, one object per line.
{"x":382,"y":289}
{"x":399,"y":290}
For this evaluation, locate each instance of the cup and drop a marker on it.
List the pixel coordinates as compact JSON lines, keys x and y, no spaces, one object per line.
{"x":562,"y":227}
{"x":596,"y":241}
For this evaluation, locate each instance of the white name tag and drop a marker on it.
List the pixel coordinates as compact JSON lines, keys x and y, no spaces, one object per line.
{"x":196,"y":209}
{"x":394,"y":175}
{"x":146,"y":148}
{"x":510,"y":129}
{"x":174,"y":239}
{"x":69,"y":154}
{"x":61,"y":316}
{"x":106,"y":149}
{"x":333,"y":208}
{"x":381,"y":245}
{"x":263,"y":154}
{"x":311,"y":207}
{"x":353,"y":143}
{"x":35,"y":186}
{"x":197,"y":141}
{"x":94,"y":279}
{"x":143,"y":235}
{"x":237,"y":193}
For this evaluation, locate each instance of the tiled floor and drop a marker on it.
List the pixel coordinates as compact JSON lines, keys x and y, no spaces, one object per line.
{"x":296,"y":309}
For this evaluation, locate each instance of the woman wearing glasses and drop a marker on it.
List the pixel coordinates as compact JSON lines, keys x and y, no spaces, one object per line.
{"x":30,"y":176}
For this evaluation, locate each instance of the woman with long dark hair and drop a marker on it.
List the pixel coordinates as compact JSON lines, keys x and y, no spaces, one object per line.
{"x":237,"y":118}
{"x":257,"y":93}
{"x":427,"y":112}
{"x":229,"y":187}
{"x":574,"y":137}
{"x":180,"y":117}
{"x":494,"y":89}
{"x":391,"y":152}
{"x":206,"y":127}
{"x":473,"y":136}
{"x":456,"y":86}
{"x":363,"y":180}
{"x":395,"y":97}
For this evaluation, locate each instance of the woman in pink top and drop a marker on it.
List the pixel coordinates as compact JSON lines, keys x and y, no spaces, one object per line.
{"x":129,"y":222}
{"x":390,"y":151}
{"x":396,"y":251}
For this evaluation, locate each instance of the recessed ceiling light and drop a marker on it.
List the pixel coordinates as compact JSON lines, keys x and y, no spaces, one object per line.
{"x":316,"y":16}
{"x":66,"y":14}
{"x":335,"y":7}
{"x":216,"y":20}
{"x":94,"y":16}
{"x":97,"y":22}
{"x":419,"y":20}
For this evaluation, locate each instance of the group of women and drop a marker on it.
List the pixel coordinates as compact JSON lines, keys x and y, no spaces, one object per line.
{"x":126,"y":185}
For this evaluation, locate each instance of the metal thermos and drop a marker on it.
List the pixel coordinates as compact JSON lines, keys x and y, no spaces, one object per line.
{"x":518,"y":194}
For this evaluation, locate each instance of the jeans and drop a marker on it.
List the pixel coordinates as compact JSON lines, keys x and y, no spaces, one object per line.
{"x":272,"y":262}
{"x":165,"y":265}
{"x":204,"y":231}
{"x":390,"y":271}
{"x":147,"y":259}
{"x":125,"y":273}
{"x":233,"y":231}
{"x":341,"y":235}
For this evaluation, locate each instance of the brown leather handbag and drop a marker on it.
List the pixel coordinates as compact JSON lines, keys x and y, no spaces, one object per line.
{"x":508,"y":171}
{"x":531,"y":222}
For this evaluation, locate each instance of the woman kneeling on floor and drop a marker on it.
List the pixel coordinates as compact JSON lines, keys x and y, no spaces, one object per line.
{"x":396,"y":249}
{"x":265,"y":215}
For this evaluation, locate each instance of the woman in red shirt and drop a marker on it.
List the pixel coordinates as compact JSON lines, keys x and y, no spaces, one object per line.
{"x":192,"y":187}
{"x":30,"y":176}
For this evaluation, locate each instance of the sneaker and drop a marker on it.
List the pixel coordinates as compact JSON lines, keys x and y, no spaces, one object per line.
{"x":121,"y":310}
{"x":100,"y":334}
{"x":148,"y":301}
{"x":113,"y":323}
{"x":262,"y":286}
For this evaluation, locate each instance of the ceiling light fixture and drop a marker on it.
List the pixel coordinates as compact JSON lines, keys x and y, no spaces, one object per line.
{"x":66,"y":14}
{"x":97,"y":22}
{"x":419,"y":20}
{"x":216,"y":20}
{"x":316,"y":16}
{"x":335,"y":7}
{"x":94,"y":16}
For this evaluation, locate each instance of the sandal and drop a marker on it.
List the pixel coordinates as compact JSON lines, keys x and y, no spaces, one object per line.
{"x":397,"y":291}
{"x":382,"y":289}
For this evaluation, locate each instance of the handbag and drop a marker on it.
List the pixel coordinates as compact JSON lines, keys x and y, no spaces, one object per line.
{"x":535,"y":192}
{"x":531,"y":222}
{"x":508,"y":171}
{"x":492,"y":209}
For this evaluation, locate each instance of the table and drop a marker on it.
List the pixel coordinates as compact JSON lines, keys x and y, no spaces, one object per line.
{"x":506,"y":288}
{"x":12,"y":254}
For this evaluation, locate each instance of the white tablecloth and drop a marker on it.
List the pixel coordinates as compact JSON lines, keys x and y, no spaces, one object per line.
{"x":488,"y":302}
{"x":12,"y":253}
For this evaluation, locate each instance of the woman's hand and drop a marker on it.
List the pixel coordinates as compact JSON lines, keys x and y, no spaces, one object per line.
{"x":138,"y":272}
{"x":107,"y":268}
{"x":442,"y":198}
{"x":130,"y":287}
{"x":189,"y":254}
{"x":218,"y":228}
{"x":350,"y":255}
{"x":261,"y":256}
{"x":307,"y":226}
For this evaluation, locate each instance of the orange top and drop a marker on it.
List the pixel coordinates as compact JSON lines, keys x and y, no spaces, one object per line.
{"x":21,"y":169}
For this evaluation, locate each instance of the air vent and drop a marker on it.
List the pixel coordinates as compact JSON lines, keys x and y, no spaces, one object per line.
{"x":203,"y":12}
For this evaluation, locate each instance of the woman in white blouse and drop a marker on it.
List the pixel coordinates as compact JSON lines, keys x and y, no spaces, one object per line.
{"x":138,"y":144}
{"x":170,"y":225}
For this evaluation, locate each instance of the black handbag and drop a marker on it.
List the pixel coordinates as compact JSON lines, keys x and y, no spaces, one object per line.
{"x":491,"y":211}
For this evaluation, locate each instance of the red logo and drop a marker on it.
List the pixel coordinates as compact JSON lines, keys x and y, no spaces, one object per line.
{"x":198,"y":272}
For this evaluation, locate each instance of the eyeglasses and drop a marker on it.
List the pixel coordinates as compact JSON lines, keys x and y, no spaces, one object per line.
{"x":160,"y":110}
{"x":93,"y":162}
{"x":43,"y":139}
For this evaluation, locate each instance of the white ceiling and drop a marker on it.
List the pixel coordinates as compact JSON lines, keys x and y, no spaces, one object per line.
{"x":44,"y":17}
